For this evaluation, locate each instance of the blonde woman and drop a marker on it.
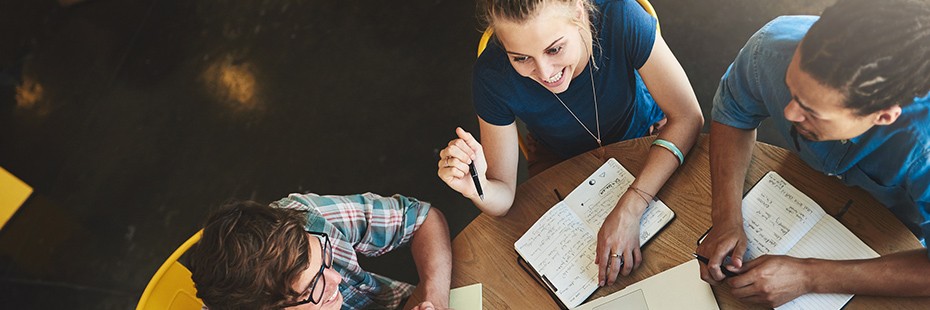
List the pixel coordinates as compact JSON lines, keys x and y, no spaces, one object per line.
{"x":580,"y":74}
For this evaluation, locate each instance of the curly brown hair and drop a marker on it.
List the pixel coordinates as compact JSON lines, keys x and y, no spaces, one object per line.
{"x":249,"y":256}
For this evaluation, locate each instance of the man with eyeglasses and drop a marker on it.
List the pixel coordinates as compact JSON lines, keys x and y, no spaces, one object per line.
{"x":300,"y":253}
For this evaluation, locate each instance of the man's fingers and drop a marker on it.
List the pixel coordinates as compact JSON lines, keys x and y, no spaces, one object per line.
{"x":705,"y":275}
{"x":741,"y":281}
{"x":736,"y":257}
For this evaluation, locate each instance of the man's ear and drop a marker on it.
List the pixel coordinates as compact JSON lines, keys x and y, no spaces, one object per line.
{"x":887,"y":116}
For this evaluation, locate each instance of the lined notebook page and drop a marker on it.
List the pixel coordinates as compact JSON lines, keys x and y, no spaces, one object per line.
{"x":831,"y":240}
{"x":562,"y":249}
{"x":776,"y":215}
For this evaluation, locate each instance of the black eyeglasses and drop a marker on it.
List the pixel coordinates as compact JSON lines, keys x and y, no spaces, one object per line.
{"x":316,"y":289}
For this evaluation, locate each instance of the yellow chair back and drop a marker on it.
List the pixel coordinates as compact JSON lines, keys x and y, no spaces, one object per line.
{"x":172,"y":288}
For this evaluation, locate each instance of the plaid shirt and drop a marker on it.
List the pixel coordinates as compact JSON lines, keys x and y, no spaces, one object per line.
{"x":368,"y":224}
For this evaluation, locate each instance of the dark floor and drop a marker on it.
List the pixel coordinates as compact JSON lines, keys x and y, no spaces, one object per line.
{"x":132,"y":118}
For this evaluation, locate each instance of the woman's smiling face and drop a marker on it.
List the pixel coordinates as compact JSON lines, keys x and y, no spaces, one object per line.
{"x":550,"y":48}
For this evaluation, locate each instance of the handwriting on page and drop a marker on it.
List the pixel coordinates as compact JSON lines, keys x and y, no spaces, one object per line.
{"x":561,"y":247}
{"x":594,"y":210}
{"x":656,"y":215}
{"x":597,"y":196}
{"x":776,"y":215}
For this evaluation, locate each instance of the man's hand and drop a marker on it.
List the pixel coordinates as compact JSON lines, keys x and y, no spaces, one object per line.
{"x":724,"y":239}
{"x":772,"y":280}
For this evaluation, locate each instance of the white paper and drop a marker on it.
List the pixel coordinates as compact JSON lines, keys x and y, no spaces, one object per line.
{"x":680,"y":287}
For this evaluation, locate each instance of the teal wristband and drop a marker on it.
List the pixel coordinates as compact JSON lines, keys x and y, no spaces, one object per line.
{"x":671,"y":148}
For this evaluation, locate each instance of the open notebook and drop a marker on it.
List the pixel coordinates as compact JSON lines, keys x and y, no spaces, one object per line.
{"x":560,"y":246}
{"x":779,"y":219}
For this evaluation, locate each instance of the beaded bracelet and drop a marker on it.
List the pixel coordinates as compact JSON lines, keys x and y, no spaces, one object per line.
{"x":671,"y":148}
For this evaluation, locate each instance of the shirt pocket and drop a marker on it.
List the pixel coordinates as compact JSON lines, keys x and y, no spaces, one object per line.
{"x":890,"y":195}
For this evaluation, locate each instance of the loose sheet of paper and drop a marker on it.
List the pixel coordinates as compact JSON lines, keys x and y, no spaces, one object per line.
{"x":561,"y":245}
{"x":680,"y":287}
{"x":466,"y":297}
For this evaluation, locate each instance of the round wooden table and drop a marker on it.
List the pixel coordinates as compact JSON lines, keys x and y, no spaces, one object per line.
{"x":484,"y":251}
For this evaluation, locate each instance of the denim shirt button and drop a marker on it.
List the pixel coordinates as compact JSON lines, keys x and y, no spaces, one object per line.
{"x":830,"y":174}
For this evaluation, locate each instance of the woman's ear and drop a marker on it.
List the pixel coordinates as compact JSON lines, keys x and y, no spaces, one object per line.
{"x":579,"y":9}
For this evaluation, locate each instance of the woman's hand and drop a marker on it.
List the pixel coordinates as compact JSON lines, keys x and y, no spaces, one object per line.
{"x":454,"y":160}
{"x":618,"y":239}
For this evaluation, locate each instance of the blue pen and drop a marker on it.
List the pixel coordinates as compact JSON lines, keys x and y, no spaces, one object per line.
{"x":474,"y":177}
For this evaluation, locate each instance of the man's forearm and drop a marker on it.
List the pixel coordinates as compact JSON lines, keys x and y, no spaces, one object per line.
{"x":432,"y":253}
{"x":730,"y":154}
{"x":899,"y":274}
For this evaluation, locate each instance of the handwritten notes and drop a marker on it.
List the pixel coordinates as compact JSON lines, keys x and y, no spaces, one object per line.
{"x":779,"y":219}
{"x":599,"y":194}
{"x":776,"y":215}
{"x":561,"y":248}
{"x":561,"y":245}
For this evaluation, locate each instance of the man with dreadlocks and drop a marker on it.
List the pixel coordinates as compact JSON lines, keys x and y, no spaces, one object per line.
{"x":849,"y":91}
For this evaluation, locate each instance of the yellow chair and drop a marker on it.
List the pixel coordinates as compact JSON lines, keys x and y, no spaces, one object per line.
{"x":172,"y":288}
{"x":486,"y":36}
{"x":13,"y":193}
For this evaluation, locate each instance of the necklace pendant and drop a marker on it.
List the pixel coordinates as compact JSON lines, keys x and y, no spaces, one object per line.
{"x":599,"y":142}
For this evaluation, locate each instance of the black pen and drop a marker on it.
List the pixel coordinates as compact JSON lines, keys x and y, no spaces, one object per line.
{"x":474,"y":177}
{"x":706,"y":261}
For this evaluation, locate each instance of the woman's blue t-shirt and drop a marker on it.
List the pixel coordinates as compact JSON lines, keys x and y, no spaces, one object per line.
{"x":626,"y":34}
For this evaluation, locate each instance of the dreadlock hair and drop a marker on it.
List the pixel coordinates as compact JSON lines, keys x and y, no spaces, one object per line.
{"x":249,"y":256}
{"x":876,"y":53}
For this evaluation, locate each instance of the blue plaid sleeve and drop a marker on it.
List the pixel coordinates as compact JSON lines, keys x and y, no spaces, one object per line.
{"x":373,"y":224}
